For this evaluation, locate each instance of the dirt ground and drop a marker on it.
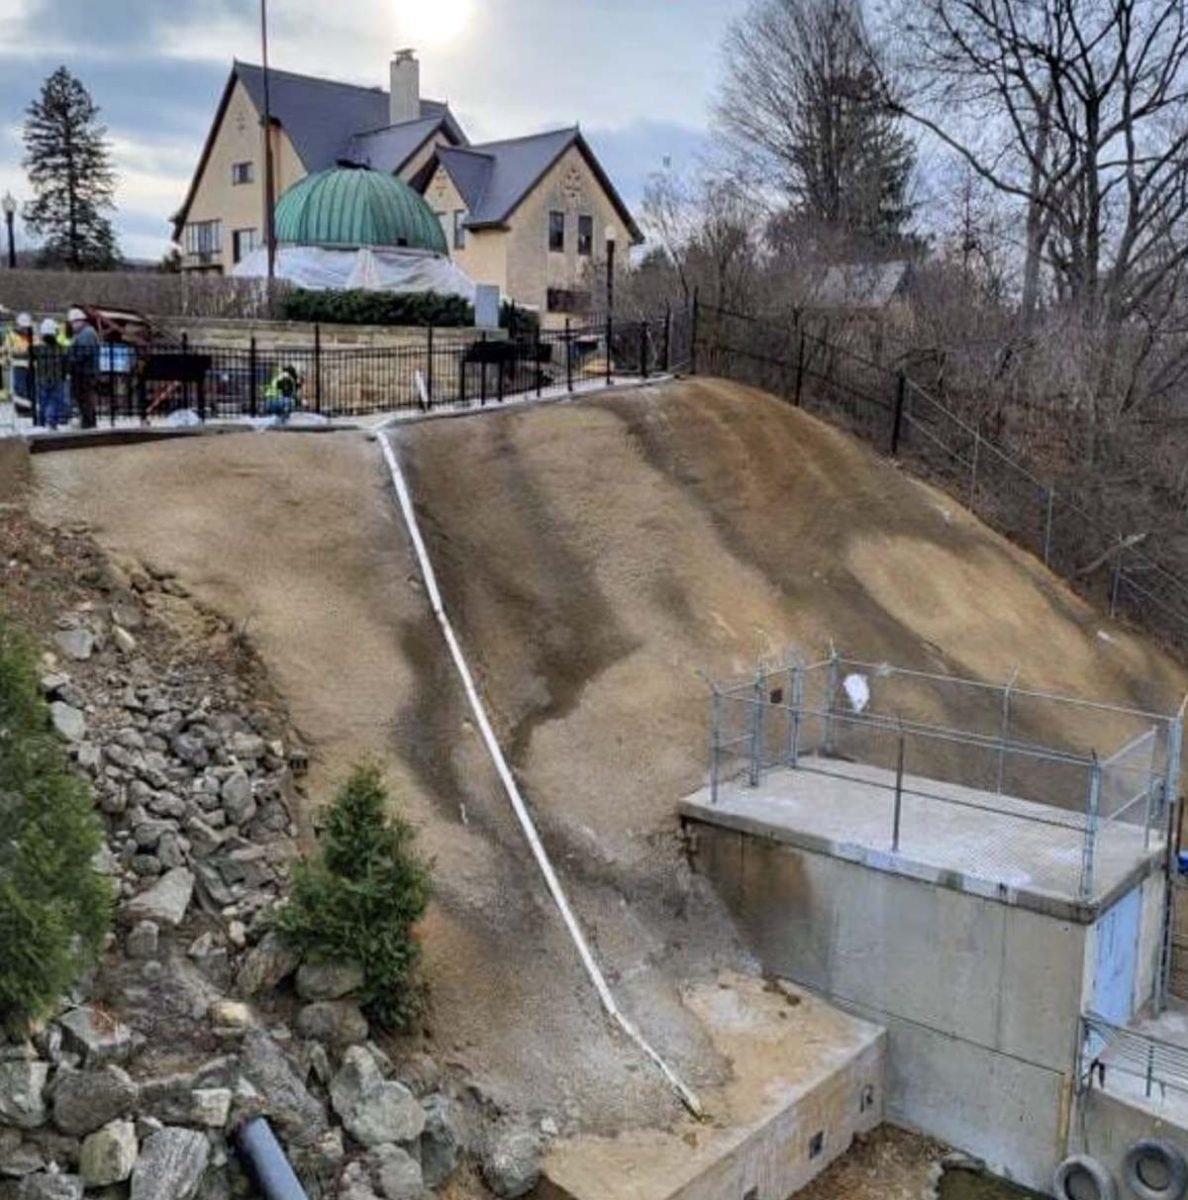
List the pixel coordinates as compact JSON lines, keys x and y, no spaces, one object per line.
{"x":601,"y":559}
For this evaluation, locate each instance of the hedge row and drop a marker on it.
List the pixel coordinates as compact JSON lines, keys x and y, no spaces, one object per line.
{"x":356,"y":307}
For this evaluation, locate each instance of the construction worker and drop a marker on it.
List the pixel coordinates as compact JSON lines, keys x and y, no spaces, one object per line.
{"x":84,"y":365}
{"x":49,"y":374}
{"x":19,"y":347}
{"x":283,"y":394}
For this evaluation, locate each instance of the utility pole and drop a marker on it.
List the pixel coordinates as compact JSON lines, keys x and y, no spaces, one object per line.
{"x":9,"y":206}
{"x":269,"y":186}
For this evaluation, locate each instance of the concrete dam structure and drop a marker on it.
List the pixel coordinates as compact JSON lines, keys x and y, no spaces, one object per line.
{"x":978,"y":925}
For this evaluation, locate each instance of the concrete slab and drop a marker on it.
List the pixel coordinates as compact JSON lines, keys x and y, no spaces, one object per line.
{"x":992,"y":846}
{"x":806,"y":1078}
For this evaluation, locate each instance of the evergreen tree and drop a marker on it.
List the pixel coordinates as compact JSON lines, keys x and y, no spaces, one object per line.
{"x":54,"y":907}
{"x":69,"y":164}
{"x":361,"y":898}
{"x":804,"y":105}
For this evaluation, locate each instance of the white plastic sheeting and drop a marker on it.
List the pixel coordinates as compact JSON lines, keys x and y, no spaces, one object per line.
{"x":321,"y":269}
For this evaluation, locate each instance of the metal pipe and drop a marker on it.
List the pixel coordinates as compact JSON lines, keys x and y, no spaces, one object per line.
{"x":898,"y":794}
{"x":266,"y":1160}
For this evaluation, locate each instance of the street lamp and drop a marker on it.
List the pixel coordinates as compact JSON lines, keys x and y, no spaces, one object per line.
{"x":610,"y":270}
{"x":9,"y":205}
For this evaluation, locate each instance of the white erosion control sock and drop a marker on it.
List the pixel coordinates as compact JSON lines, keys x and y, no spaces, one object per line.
{"x":687,"y":1096}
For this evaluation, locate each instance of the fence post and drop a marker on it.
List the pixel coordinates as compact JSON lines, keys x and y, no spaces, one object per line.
{"x":643,"y":349}
{"x":141,"y":388}
{"x":568,"y":357}
{"x":536,"y":359}
{"x":185,"y":383}
{"x":429,"y":364}
{"x":1090,"y":845}
{"x":318,"y":367}
{"x":1175,"y":749}
{"x":973,"y":471}
{"x":253,"y":381}
{"x":832,"y":679}
{"x":797,"y":699}
{"x":667,"y":337}
{"x":898,"y":792}
{"x":799,"y":368}
{"x":499,"y":371}
{"x":757,"y":703}
{"x":483,"y":369}
{"x":1116,"y":581}
{"x":610,"y":331}
{"x":715,"y":741}
{"x":897,"y":412}
{"x":693,"y":333}
{"x":1048,"y":526}
{"x":1006,"y":725}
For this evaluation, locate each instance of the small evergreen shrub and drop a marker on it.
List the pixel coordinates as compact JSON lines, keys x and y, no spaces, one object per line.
{"x":54,"y":907}
{"x":359,"y":899}
{"x":359,"y":307}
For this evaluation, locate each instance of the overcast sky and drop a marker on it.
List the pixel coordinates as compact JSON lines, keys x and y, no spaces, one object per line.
{"x":638,"y":75}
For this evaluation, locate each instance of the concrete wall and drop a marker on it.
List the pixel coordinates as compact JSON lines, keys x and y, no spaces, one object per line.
{"x":213,"y":331}
{"x":980,"y":999}
{"x":240,"y":206}
{"x":1107,"y":1126}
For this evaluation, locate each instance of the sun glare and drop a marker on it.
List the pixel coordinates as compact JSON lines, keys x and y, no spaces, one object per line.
{"x":426,"y":23}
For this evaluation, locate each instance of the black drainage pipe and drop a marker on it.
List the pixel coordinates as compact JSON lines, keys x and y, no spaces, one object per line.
{"x":266,"y":1160}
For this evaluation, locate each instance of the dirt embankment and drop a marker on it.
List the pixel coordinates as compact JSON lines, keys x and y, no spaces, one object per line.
{"x":600,"y":559}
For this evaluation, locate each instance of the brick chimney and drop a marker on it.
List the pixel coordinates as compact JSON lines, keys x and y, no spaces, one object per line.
{"x":404,"y":103}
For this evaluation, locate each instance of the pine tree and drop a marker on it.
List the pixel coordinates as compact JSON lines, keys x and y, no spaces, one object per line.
{"x":69,"y":164}
{"x":361,"y":898}
{"x":54,"y":907}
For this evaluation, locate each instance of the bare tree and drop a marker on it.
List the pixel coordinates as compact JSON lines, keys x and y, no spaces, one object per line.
{"x":1078,"y":109}
{"x":802,"y":100}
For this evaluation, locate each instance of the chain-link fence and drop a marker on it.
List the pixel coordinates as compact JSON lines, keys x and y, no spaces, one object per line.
{"x":1026,"y":762}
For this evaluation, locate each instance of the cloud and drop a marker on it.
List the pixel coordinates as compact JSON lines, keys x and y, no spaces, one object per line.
{"x":636,"y":74}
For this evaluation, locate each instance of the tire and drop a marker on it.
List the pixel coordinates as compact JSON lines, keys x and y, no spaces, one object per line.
{"x":1083,"y":1178}
{"x":1165,"y":1162}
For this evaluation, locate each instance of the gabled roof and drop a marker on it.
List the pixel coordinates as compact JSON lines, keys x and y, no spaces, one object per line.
{"x":494,"y":178}
{"x":390,"y":148}
{"x":861,"y":285}
{"x":320,"y":116}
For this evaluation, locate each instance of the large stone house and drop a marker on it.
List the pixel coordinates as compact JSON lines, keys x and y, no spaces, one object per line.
{"x":532,"y":215}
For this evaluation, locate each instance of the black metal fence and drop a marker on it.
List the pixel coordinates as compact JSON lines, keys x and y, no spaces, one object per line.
{"x":798,"y":360}
{"x":448,"y":368}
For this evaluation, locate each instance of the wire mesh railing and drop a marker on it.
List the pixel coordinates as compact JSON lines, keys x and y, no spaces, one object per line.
{"x":1127,"y":1061}
{"x":183,"y":383}
{"x":1024,"y":760}
{"x":805,"y":361}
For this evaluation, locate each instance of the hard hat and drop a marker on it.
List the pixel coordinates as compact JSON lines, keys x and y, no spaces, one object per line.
{"x":49,"y":327}
{"x":76,"y":314}
{"x":24,"y":321}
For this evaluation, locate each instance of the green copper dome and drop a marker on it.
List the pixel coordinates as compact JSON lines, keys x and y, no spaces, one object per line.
{"x":351,"y":207}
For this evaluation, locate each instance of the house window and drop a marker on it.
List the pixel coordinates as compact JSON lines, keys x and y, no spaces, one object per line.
{"x":243,"y":242}
{"x":568,"y":300}
{"x":459,"y":229}
{"x":204,"y":238}
{"x":242,"y":172}
{"x":556,"y":231}
{"x":586,"y":236}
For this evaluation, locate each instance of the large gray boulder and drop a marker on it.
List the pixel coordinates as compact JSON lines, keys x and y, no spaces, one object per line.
{"x":97,"y":1037}
{"x":22,"y":1093}
{"x":50,"y":1186}
{"x":441,"y":1142}
{"x":299,"y":1118}
{"x":266,"y":966}
{"x":339,"y":1022}
{"x":396,"y":1173}
{"x":165,"y":902}
{"x":108,"y":1155}
{"x":68,"y":721}
{"x":328,"y":981}
{"x":170,"y":1165}
{"x":76,"y":644}
{"x":374,"y":1110}
{"x":87,"y":1100}
{"x":511,"y":1162}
